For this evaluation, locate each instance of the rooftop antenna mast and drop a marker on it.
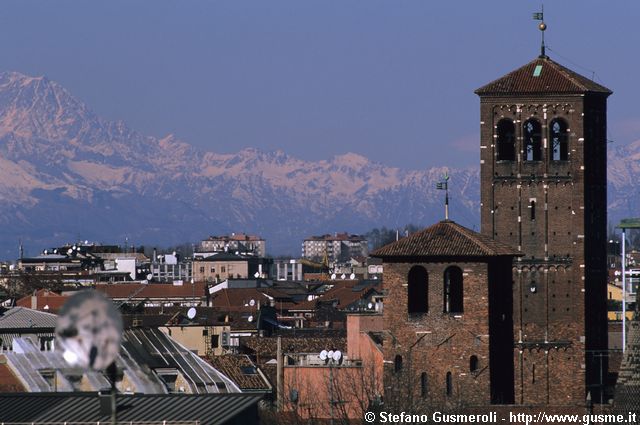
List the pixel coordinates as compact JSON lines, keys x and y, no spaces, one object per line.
{"x":539,"y":16}
{"x":444,"y":185}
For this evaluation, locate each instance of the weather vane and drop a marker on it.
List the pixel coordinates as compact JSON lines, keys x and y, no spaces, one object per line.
{"x":539,"y":16}
{"x":444,"y":185}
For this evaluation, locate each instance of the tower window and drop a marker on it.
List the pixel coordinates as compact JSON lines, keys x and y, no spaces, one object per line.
{"x":449,"y":384}
{"x":418,"y":291}
{"x":506,"y":140}
{"x":423,"y":385}
{"x":453,"y":290}
{"x":397,"y":363}
{"x":559,"y":140}
{"x":532,"y":140}
{"x":532,"y":208}
{"x":473,"y":364}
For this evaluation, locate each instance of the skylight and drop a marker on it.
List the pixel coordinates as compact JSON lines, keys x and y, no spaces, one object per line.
{"x":537,"y":71}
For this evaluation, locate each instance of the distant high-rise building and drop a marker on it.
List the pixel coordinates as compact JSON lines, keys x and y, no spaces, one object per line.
{"x":338,"y":247}
{"x":239,"y":242}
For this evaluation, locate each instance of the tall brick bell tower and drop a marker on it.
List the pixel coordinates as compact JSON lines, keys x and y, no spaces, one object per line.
{"x":543,"y":184}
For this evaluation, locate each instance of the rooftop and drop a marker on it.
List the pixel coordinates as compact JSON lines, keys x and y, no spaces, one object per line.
{"x":445,"y":239}
{"x":23,"y":318}
{"x":241,"y":370}
{"x":207,"y":409}
{"x":152,"y":290}
{"x":542,"y":75}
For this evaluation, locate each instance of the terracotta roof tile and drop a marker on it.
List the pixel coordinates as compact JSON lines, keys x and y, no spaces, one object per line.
{"x":445,"y":239}
{"x":345,"y":294}
{"x":267,"y":346}
{"x":552,"y":78}
{"x":241,"y":370}
{"x":44,"y":297}
{"x":238,"y":299}
{"x":151,"y":290}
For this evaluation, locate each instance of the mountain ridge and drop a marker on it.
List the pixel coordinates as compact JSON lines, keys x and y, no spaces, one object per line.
{"x":67,"y":174}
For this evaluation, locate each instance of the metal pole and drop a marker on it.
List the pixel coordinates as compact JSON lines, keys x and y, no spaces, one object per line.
{"x":446,"y":202}
{"x":624,"y":292}
{"x":112,"y":371}
{"x":279,"y":376}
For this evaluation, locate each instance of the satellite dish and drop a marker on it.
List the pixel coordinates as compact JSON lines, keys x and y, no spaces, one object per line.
{"x":89,"y":330}
{"x":330,"y":354}
{"x":352,"y":276}
{"x":46,"y":307}
{"x":370,"y":306}
{"x":324,"y":355}
{"x":69,"y":251}
{"x":333,"y":276}
{"x":191,"y":313}
{"x":45,"y":252}
{"x":337,"y":355}
{"x":375,"y":278}
{"x":343,"y":276}
{"x":149,"y":276}
{"x":256,"y":275}
{"x":252,"y":302}
{"x":250,"y":318}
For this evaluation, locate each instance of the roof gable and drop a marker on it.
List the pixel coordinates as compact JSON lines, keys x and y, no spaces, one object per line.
{"x":445,"y":239}
{"x":542,"y":75}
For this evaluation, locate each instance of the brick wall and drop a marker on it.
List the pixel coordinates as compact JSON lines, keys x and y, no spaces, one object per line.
{"x":443,"y":342}
{"x":563,"y":243}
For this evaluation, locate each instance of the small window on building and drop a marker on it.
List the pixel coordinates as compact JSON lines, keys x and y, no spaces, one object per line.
{"x":559,"y":140}
{"x":532,"y":209}
{"x":473,"y":364}
{"x":215,"y":341}
{"x":423,"y":385}
{"x":249,"y":370}
{"x":222,"y":269}
{"x":397,"y":363}
{"x":506,"y":140}
{"x":449,"y":384}
{"x":532,"y":140}
{"x":533,"y":374}
{"x":168,"y":377}
{"x":202,"y":269}
{"x":418,"y":291}
{"x":453,"y":290}
{"x":49,"y":375}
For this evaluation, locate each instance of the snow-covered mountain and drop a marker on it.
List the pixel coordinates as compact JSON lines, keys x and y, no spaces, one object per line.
{"x":66,"y":174}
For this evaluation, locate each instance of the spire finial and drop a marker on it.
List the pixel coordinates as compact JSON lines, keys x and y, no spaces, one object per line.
{"x":539,"y":16}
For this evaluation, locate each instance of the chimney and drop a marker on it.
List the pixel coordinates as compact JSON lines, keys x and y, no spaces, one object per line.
{"x":34,"y":302}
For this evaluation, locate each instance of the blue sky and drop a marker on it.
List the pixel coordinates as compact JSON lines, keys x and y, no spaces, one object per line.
{"x":391,"y":80}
